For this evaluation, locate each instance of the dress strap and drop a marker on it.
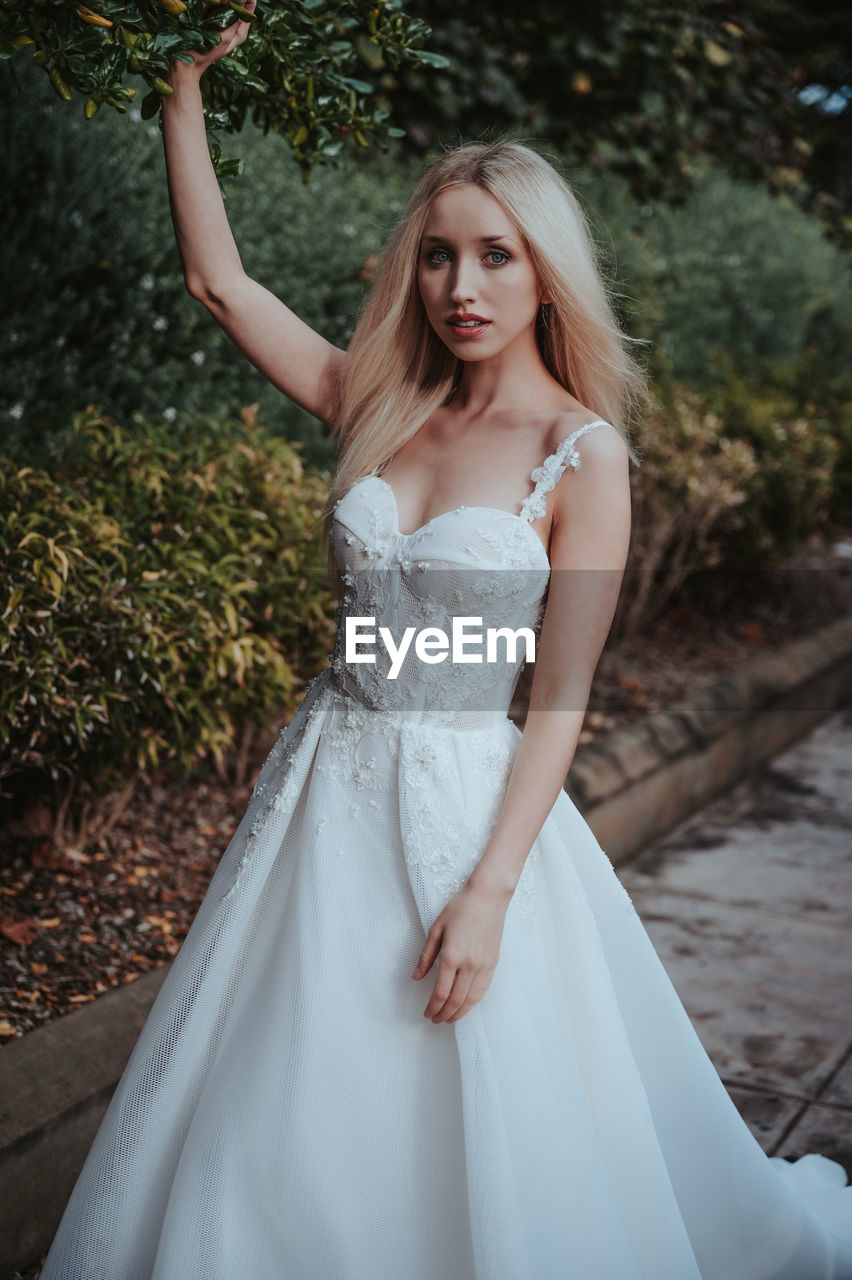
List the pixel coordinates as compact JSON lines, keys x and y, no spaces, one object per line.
{"x":546,"y":475}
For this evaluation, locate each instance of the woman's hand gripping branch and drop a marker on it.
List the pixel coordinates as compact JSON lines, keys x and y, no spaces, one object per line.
{"x":232,"y":36}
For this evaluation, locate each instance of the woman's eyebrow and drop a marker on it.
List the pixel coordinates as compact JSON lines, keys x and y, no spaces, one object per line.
{"x":483,"y":239}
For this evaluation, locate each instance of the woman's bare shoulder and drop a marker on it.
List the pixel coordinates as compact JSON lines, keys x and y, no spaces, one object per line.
{"x":605,"y":442}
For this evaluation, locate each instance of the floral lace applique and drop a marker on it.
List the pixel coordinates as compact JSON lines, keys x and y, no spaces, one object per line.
{"x":510,"y":543}
{"x":275,"y":788}
{"x":490,"y":754}
{"x":349,"y":741}
{"x":546,"y":476}
{"x":447,"y":852}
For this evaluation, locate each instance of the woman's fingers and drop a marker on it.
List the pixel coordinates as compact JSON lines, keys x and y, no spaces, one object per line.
{"x":456,"y":992}
{"x":452,"y":999}
{"x":232,"y":35}
{"x":427,"y":955}
{"x":243,"y":26}
{"x":443,"y":987}
{"x":478,"y":988}
{"x":459,"y":995}
{"x":465,"y":938}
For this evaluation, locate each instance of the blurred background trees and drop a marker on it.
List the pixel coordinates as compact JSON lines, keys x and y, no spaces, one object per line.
{"x":649,"y":90}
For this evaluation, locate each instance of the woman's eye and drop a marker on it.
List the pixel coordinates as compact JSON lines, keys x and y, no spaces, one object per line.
{"x":494,"y":257}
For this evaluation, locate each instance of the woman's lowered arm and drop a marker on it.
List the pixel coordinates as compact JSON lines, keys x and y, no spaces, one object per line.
{"x":589,"y":544}
{"x":289,"y":353}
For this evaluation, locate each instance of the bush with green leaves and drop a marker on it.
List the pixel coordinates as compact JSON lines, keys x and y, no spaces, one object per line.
{"x":745,"y":299}
{"x":163,"y":588}
{"x":97,"y":311}
{"x":687,"y":497}
{"x":798,"y":454}
{"x":308,"y":69}
{"x":739,"y":276}
{"x":650,"y":91}
{"x":730,"y":483}
{"x":95,"y":305}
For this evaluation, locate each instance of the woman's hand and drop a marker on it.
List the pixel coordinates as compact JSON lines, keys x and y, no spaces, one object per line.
{"x":232,"y":36}
{"x":468,"y":933}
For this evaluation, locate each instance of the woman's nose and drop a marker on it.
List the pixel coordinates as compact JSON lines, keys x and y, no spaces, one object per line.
{"x":462,"y":285}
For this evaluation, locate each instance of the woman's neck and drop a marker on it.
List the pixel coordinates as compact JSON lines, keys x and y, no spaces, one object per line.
{"x":512,"y":378}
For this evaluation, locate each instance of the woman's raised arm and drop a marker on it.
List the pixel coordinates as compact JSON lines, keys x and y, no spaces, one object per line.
{"x":292,"y":355}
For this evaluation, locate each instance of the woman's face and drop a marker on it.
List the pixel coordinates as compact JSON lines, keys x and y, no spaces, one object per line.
{"x":476,"y":278}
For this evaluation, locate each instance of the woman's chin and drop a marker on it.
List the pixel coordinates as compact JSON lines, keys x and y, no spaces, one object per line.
{"x":470,"y":351}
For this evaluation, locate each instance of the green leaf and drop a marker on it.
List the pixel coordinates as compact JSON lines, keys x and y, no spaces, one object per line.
{"x":432,"y":59}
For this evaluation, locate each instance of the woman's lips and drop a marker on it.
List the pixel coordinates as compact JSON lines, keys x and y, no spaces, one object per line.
{"x":472,"y":329}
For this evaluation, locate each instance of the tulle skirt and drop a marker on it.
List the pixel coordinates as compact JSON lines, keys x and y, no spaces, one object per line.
{"x":289,"y":1114}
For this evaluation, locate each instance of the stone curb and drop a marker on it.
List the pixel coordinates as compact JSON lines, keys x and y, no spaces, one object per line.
{"x":635,"y":785}
{"x":639,"y":782}
{"x":55,"y":1084}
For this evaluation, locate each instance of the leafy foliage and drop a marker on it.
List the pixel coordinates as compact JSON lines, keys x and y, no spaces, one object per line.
{"x":688,"y":493}
{"x":648,"y":91}
{"x":95,"y":304}
{"x":306,"y":71}
{"x":163,"y":587}
{"x":729,"y":484}
{"x":732,"y":275}
{"x":791,"y":493}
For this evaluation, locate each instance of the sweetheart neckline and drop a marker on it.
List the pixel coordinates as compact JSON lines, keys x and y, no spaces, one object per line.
{"x":512,"y":515}
{"x":568,"y":440}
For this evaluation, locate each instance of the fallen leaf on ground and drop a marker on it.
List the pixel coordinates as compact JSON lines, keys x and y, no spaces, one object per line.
{"x":20,"y":931}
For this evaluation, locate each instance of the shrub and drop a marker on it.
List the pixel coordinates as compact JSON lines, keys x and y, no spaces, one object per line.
{"x":688,"y":493}
{"x":797,"y":451}
{"x":301,"y":71}
{"x":740,"y":275}
{"x":164,"y":587}
{"x":731,"y":481}
{"x":95,"y":305}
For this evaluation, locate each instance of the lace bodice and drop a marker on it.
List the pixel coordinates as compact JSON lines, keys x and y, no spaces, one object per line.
{"x":473,"y":562}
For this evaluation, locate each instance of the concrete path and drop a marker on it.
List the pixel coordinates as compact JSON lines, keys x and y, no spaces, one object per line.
{"x":749,"y":905}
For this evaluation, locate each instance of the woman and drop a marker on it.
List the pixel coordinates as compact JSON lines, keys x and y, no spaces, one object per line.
{"x":295,"y":1106}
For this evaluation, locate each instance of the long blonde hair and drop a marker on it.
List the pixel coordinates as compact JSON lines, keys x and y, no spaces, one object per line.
{"x":397,"y":370}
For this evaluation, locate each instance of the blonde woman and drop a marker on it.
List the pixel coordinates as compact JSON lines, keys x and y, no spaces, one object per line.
{"x":300,"y":1104}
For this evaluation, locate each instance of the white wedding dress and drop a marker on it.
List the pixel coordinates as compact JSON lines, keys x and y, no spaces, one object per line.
{"x":289,"y":1114}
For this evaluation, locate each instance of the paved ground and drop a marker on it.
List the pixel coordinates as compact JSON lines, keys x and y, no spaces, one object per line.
{"x":749,"y":905}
